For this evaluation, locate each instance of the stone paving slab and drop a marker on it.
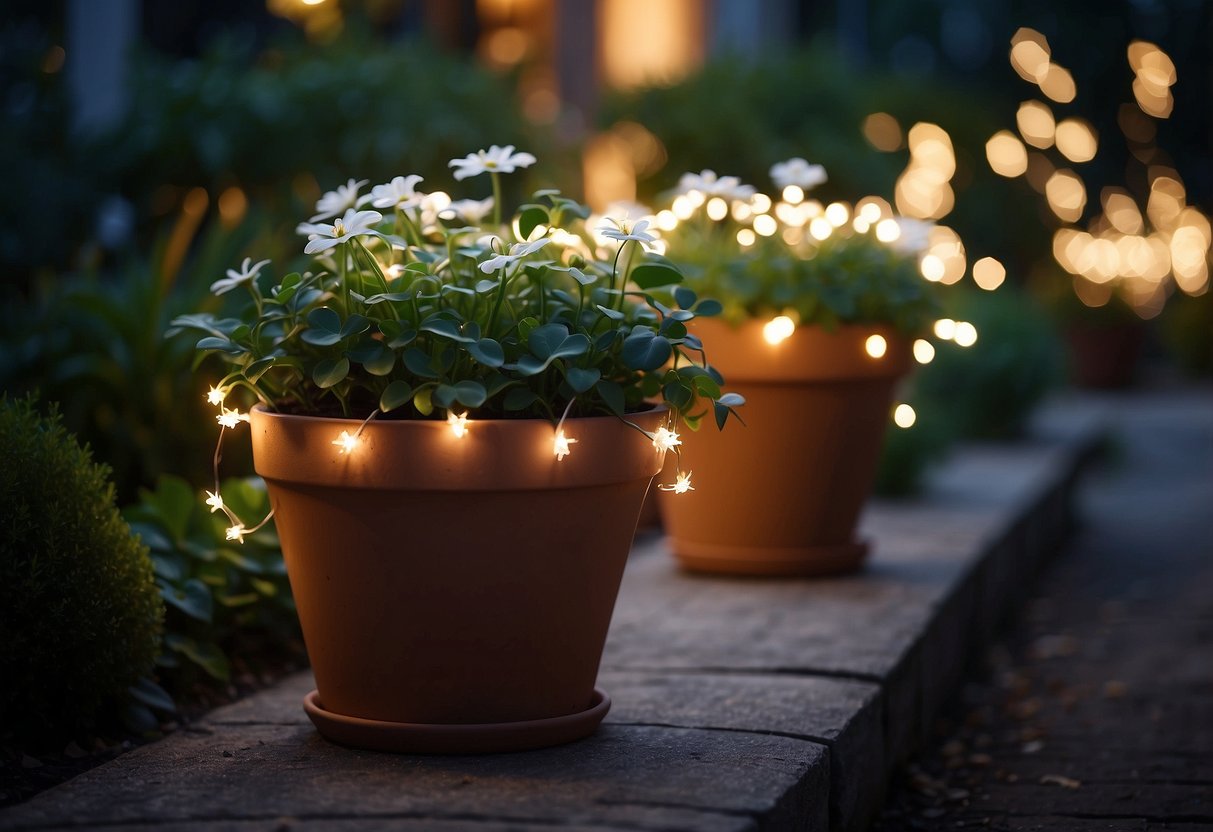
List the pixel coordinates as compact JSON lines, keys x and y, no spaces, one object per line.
{"x":738,"y":704}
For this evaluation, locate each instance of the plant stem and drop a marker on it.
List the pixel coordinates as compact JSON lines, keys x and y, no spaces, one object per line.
{"x":496,"y":177}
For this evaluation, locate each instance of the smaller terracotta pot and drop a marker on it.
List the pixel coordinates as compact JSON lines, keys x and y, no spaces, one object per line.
{"x":455,"y":592}
{"x":782,"y":495}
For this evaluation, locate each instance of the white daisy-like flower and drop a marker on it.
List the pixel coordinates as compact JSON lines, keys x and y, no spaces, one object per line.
{"x":709,"y":184}
{"x":354,"y":224}
{"x":915,"y":236}
{"x":623,"y":230}
{"x":399,"y":193}
{"x":469,"y":210}
{"x":335,"y":203}
{"x":248,"y":271}
{"x":495,"y":159}
{"x":798,"y":172}
{"x":517,"y":252}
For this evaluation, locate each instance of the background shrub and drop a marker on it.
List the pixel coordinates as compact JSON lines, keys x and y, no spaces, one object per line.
{"x":80,"y":616}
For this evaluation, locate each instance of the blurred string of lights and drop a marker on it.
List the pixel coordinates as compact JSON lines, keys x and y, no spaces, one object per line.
{"x":1123,"y":249}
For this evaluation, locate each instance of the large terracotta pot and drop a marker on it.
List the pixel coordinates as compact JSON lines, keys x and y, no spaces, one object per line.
{"x":455,"y":592}
{"x":782,"y":496}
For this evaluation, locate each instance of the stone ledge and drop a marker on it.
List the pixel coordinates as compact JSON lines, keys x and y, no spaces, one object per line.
{"x":739,"y":704}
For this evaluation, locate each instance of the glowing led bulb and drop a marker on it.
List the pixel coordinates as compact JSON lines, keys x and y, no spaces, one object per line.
{"x":904,"y":416}
{"x":665,"y":439}
{"x":459,"y":424}
{"x":214,"y":501}
{"x":778,"y":329}
{"x":966,"y":334}
{"x":346,"y":443}
{"x":680,"y":486}
{"x":230,"y":418}
{"x":924,"y":351}
{"x":215,"y":395}
{"x":560,"y":445}
{"x":876,"y":346}
{"x":236,"y":532}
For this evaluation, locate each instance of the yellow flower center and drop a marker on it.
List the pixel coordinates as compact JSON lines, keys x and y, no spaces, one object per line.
{"x":338,"y":228}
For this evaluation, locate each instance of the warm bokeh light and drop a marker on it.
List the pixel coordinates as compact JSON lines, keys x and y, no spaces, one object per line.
{"x":666,"y":48}
{"x":882,"y":131}
{"x":1058,"y":84}
{"x":1030,"y":54}
{"x":746,"y":237}
{"x":989,"y":274}
{"x":1067,"y":195}
{"x":1006,"y":154}
{"x":924,"y":351}
{"x":888,"y":231}
{"x":837,"y":214}
{"x":876,"y":346}
{"x":945,"y":329}
{"x":1076,"y":139}
{"x":923,"y":190}
{"x":945,"y":245}
{"x":904,"y":416}
{"x":765,"y":225}
{"x":778,"y":329}
{"x":717,"y":208}
{"x":965,"y":334}
{"x":1036,"y":124}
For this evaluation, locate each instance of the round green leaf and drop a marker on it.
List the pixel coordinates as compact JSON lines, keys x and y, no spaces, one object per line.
{"x":395,"y":395}
{"x":330,"y":371}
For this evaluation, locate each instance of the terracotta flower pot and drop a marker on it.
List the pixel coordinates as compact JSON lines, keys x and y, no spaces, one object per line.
{"x":455,"y":592}
{"x":782,"y":496}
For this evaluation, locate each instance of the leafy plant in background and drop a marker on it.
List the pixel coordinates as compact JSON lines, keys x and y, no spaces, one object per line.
{"x":764,"y":257}
{"x":992,"y":387}
{"x":80,"y":618}
{"x":217,"y":597}
{"x":96,"y":343}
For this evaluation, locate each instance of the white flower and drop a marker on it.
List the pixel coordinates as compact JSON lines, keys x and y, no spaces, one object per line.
{"x":915,"y":236}
{"x":236,"y":532}
{"x":495,"y":159}
{"x":399,"y":193}
{"x":709,"y":184}
{"x":353,"y":224}
{"x":235,"y":278}
{"x":624,"y":231}
{"x":214,"y":501}
{"x":517,"y":252}
{"x":798,"y":172}
{"x":470,"y":210}
{"x":337,"y":202}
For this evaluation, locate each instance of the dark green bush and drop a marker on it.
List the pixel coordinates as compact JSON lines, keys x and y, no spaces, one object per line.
{"x":80,"y":616}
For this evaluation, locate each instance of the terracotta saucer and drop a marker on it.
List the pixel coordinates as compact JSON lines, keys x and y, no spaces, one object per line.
{"x":488,"y":738}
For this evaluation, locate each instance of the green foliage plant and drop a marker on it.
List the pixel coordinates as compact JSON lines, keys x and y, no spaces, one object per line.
{"x":440,"y":309}
{"x":818,"y":265}
{"x":215,"y":593}
{"x":80,"y":617}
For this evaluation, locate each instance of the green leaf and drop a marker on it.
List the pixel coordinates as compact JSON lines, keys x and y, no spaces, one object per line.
{"x":381,"y":363}
{"x":652,"y":275}
{"x":223,"y":344}
{"x":677,"y":395}
{"x":544,"y":340}
{"x":613,"y":314}
{"x":395,"y":395}
{"x":644,"y":350}
{"x":530,"y":219}
{"x":418,"y":363}
{"x":423,"y":400}
{"x":685,"y":297}
{"x":519,"y":398}
{"x":674,"y":329}
{"x":355,"y":325}
{"x":709,"y":308}
{"x":330,"y":371}
{"x":612,"y":394}
{"x":193,"y":598}
{"x":255,"y":370}
{"x":324,"y":327}
{"x":444,"y":396}
{"x":732,"y":400}
{"x":152,"y":695}
{"x":446,"y":328}
{"x":581,"y":380}
{"x":487,"y":351}
{"x":206,"y":655}
{"x":470,"y":393}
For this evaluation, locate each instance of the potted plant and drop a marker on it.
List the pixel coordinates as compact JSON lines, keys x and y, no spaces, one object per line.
{"x":458,"y":421}
{"x":821,"y":308}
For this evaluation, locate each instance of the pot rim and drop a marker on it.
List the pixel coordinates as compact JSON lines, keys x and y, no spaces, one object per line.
{"x":426,"y":455}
